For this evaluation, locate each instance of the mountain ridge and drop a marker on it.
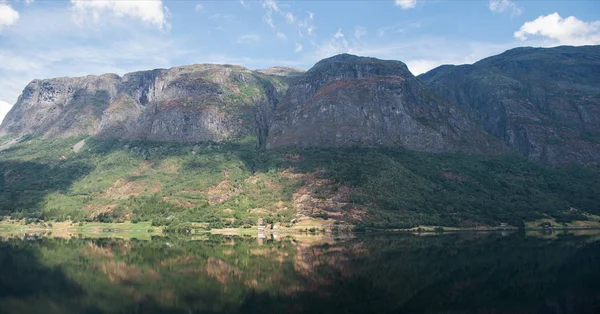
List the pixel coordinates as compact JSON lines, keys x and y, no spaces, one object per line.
{"x":513,"y":100}
{"x":542,"y":102}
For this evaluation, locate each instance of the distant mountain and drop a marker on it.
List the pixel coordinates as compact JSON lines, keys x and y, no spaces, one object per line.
{"x":282,"y":71}
{"x":544,"y":103}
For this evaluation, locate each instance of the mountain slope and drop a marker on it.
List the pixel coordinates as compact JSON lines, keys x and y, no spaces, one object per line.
{"x":347,"y":100}
{"x":545,"y":103}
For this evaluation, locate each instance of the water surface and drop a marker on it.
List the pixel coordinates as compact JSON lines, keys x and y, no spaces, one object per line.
{"x":373,"y":273}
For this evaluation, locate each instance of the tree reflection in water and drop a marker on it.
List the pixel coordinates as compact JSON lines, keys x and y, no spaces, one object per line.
{"x":455,"y":273}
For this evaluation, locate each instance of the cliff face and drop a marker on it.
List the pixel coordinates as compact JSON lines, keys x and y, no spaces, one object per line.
{"x":185,"y":104}
{"x":354,"y":101}
{"x":62,"y":106}
{"x":545,"y":103}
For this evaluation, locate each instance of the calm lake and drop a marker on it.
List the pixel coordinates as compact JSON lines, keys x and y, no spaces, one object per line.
{"x":370,"y":273}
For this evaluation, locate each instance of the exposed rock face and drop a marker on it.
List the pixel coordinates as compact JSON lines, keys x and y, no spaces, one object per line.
{"x":61,"y":106}
{"x":188,"y":104}
{"x":354,"y":101}
{"x":545,"y":103}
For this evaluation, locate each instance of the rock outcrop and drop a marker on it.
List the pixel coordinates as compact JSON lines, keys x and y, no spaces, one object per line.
{"x":544,"y":103}
{"x":355,"y":101}
{"x":186,"y":104}
{"x":61,"y":106}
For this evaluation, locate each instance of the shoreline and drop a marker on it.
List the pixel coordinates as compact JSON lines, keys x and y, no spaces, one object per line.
{"x":146,"y":227}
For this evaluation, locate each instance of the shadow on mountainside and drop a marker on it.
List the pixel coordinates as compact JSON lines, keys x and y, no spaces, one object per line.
{"x":202,"y":182}
{"x":24,"y":185}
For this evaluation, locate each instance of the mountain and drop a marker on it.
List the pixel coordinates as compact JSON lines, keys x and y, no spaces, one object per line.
{"x":342,"y":101}
{"x":542,"y":102}
{"x":185,"y":104}
{"x":352,"y":140}
{"x":347,"y":100}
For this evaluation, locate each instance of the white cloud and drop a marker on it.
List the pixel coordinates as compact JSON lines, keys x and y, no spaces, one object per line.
{"x":339,"y":34}
{"x":281,"y":36}
{"x":561,"y":31}
{"x":406,"y":4}
{"x":8,"y":15}
{"x":359,"y":31}
{"x":199,"y":7}
{"x":153,"y":12}
{"x":248,"y":39}
{"x":298,"y":48}
{"x":503,"y":6}
{"x":4,"y":109}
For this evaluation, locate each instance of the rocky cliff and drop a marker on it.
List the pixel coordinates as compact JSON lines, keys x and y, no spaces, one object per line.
{"x":185,"y":104}
{"x":545,"y":103}
{"x":355,"y":101}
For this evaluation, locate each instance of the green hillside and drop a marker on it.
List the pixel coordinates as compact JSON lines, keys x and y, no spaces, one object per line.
{"x":234,"y":184}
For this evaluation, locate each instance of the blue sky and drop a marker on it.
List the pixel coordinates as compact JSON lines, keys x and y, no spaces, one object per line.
{"x":53,"y":38}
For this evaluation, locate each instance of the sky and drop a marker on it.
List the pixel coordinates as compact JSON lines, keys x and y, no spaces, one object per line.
{"x":55,"y":38}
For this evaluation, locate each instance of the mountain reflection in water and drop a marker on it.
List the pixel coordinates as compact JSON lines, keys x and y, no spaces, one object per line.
{"x":377,"y":273}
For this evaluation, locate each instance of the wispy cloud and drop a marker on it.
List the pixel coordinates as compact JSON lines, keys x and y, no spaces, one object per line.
{"x":221,"y":16}
{"x":306,"y":25}
{"x":501,"y":6}
{"x":272,"y":10}
{"x":335,"y":45}
{"x":298,"y":48}
{"x":360,"y":31}
{"x":248,"y":39}
{"x":397,"y":28}
{"x":289,"y":17}
{"x":406,"y":4}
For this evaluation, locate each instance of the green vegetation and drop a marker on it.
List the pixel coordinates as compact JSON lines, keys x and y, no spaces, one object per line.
{"x":210,"y":185}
